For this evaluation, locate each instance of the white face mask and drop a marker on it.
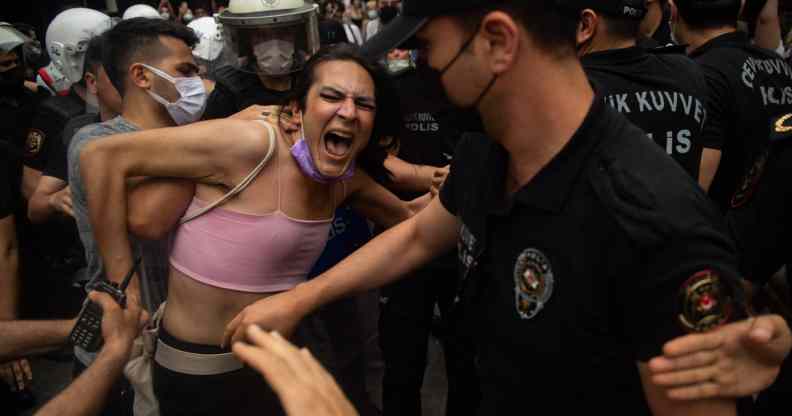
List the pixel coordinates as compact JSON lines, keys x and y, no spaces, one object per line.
{"x":192,"y":101}
{"x":188,"y":17}
{"x":274,"y":57}
{"x":372,"y":14}
{"x":165,"y":15}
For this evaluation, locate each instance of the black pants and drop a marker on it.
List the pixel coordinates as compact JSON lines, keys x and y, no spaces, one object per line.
{"x":240,"y":392}
{"x":406,"y":320}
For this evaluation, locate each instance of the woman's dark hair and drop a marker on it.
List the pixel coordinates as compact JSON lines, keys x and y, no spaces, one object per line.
{"x":386,"y":122}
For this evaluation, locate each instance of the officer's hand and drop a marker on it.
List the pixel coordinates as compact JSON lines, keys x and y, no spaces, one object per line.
{"x":279,"y":313}
{"x":303,"y":386}
{"x":439,"y":177}
{"x":16,"y":374}
{"x":120,"y":326}
{"x":61,"y":201}
{"x":736,"y":360}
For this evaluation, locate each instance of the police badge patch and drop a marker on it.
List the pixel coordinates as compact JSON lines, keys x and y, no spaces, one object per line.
{"x":34,"y":142}
{"x":704,"y":302}
{"x":533,"y":283}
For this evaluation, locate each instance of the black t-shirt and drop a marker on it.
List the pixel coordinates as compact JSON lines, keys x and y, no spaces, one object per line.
{"x":748,"y":88}
{"x":662,"y":93}
{"x":425,"y":138}
{"x":57,"y":165}
{"x":761,"y":209}
{"x":237,"y":90}
{"x":46,"y":130}
{"x":579,"y":275}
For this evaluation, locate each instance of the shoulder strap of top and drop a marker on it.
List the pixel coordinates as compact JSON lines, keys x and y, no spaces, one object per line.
{"x":243,"y":184}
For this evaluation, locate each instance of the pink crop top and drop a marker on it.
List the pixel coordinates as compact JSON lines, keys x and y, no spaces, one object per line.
{"x":248,"y":252}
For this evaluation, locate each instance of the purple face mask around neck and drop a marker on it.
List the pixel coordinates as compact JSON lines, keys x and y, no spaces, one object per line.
{"x":302,"y":154}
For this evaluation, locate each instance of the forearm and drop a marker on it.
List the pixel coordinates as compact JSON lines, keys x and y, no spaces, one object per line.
{"x":9,"y":269}
{"x":107,"y":208}
{"x":710,"y":160}
{"x":24,"y":338}
{"x":30,"y":179}
{"x":768,"y":26}
{"x":407,"y":176}
{"x":372,"y":266}
{"x":87,"y":394}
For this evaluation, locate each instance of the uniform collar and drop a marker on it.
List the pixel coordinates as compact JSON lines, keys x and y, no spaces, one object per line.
{"x":614,"y":56}
{"x":736,"y":37}
{"x":550,"y":188}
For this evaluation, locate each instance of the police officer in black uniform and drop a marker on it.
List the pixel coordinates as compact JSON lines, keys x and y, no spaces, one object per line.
{"x":660,"y":90}
{"x":265,"y":46}
{"x":583,"y":247}
{"x":748,"y":87}
{"x":407,"y":308}
{"x":760,"y":221}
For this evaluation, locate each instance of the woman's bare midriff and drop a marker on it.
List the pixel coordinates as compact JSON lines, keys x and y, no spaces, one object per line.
{"x":198,"y":313}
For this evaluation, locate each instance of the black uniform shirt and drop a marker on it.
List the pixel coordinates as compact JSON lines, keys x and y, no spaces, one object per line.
{"x":57,"y":165}
{"x":748,"y":88}
{"x":425,"y":137}
{"x":662,"y":93}
{"x":761,"y":213}
{"x":580,"y":274}
{"x":237,"y":90}
{"x":46,"y":130}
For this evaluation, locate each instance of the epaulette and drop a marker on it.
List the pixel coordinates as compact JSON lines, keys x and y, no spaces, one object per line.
{"x":781,"y":129}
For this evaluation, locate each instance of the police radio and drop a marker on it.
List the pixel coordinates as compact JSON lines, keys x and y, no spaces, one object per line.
{"x":87,"y":333}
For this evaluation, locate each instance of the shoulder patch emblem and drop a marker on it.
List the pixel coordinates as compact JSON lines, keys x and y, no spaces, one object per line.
{"x":704,"y":302}
{"x":782,"y":128}
{"x":750,"y":181}
{"x":34,"y":142}
{"x":533,"y":283}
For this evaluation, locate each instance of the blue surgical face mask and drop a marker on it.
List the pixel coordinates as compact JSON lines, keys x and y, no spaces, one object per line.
{"x":302,"y":155}
{"x":192,"y":97}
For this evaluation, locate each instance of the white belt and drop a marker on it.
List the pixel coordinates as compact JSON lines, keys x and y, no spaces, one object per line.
{"x":195,"y":364}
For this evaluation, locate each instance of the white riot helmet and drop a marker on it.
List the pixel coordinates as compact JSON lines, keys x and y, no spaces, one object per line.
{"x":270,"y":37}
{"x":141,"y":10}
{"x":210,"y":45}
{"x":67,"y":39}
{"x":10,"y":38}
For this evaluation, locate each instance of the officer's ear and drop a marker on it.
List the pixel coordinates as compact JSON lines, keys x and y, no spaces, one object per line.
{"x":501,"y":36}
{"x":139,"y":76}
{"x":587,"y":27}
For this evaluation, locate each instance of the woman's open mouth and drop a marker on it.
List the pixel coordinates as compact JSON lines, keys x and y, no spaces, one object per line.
{"x":338,"y":144}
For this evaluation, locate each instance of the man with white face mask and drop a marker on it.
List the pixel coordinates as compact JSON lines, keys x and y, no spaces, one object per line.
{"x":150,"y":63}
{"x":266,"y":44}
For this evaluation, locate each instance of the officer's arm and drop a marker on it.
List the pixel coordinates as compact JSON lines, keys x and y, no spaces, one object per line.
{"x":710,"y":160}
{"x":45,"y":200}
{"x":30,"y":179}
{"x":662,"y":405}
{"x":768,"y":27}
{"x":408,"y":176}
{"x":388,"y":257}
{"x":9,"y":279}
{"x":376,"y":203}
{"x":24,"y":338}
{"x":217,"y":152}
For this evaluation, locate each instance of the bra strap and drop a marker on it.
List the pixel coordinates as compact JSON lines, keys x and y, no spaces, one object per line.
{"x":242,"y":185}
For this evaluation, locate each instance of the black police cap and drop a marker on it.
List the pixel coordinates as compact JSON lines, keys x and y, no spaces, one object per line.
{"x":416,"y":13}
{"x":631,"y":9}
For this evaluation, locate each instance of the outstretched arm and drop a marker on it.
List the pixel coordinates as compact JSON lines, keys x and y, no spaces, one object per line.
{"x":215,"y":152}
{"x":431,"y":233}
